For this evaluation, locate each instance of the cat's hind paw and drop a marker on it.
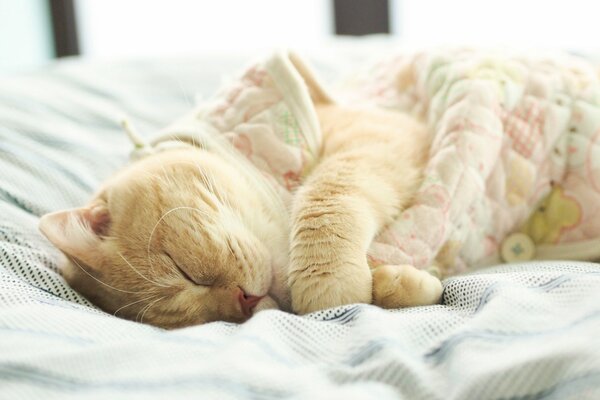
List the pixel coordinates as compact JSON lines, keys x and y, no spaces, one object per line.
{"x":396,"y":286}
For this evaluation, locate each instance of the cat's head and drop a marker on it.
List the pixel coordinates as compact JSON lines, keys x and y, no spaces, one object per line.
{"x":179,"y":238}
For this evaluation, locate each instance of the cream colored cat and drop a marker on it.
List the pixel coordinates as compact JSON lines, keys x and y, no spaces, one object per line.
{"x":188,"y":236}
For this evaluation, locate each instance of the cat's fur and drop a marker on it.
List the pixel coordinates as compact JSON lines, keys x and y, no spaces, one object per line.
{"x":188,"y":236}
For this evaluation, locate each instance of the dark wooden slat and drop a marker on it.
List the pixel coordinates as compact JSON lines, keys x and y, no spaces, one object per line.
{"x":64,"y":27}
{"x":361,"y":17}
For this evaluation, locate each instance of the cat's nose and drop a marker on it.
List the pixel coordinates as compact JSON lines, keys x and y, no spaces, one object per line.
{"x":248,"y":302}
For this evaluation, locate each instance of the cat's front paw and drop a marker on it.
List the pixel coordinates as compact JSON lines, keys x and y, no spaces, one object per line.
{"x":318,"y":286}
{"x":396,"y":286}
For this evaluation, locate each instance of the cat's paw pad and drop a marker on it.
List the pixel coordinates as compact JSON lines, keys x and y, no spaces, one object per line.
{"x":396,"y":286}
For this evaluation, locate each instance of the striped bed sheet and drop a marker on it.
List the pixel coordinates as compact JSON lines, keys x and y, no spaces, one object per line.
{"x":527,"y":331}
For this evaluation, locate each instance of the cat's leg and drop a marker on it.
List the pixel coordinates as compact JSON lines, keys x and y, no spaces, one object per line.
{"x":335,"y":216}
{"x":396,"y":286}
{"x":328,"y":264}
{"x":368,"y":172}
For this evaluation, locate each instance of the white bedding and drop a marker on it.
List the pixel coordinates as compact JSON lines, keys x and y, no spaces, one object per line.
{"x":520,"y":332}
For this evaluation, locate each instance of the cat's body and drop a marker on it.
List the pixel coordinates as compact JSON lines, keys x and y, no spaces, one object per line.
{"x":190,"y":236}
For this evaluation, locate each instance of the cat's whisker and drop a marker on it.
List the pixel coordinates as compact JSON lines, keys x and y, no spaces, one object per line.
{"x":139,"y":273}
{"x":160,"y":220}
{"x":228,"y":240}
{"x":139,"y":312}
{"x":166,"y":175}
{"x":220,"y":201}
{"x":205,"y":179}
{"x":202,"y":143}
{"x":142,"y":309}
{"x":99,"y":281}
{"x":211,"y":181}
{"x":150,"y":306}
{"x":175,"y":138}
{"x":156,"y":176}
{"x":207,"y":182}
{"x":210,"y":184}
{"x":192,"y":137}
{"x":132,"y":303}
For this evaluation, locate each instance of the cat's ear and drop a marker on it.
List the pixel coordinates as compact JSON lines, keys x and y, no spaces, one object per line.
{"x":79,"y":231}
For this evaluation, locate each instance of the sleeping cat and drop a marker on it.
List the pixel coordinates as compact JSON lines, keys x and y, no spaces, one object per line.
{"x":189,"y":236}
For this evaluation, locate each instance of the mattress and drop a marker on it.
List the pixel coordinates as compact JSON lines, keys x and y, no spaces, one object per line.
{"x":522,"y":331}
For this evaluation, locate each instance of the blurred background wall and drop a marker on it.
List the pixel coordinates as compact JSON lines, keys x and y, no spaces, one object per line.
{"x":33,"y":32}
{"x":25,"y":33}
{"x":141,"y":27}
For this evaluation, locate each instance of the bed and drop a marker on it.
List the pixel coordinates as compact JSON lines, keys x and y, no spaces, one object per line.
{"x":524,"y":331}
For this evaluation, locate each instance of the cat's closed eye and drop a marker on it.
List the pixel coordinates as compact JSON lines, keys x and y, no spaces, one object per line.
{"x":186,"y":275}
